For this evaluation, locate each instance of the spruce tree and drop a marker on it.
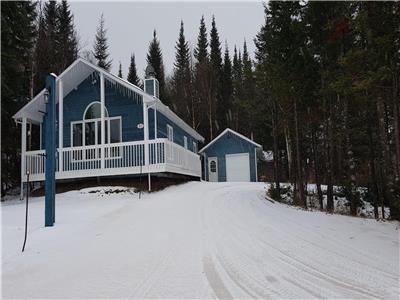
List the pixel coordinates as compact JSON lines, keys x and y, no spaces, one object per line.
{"x":45,"y":49}
{"x":181,"y":80}
{"x":216,"y":67}
{"x":132,"y":73}
{"x":17,"y":42}
{"x":66,"y":40}
{"x":120,"y":70}
{"x":200,"y":52}
{"x":100,"y":48}
{"x":237,"y":93}
{"x":154,"y":58}
{"x":227,"y":89}
{"x":202,"y":86}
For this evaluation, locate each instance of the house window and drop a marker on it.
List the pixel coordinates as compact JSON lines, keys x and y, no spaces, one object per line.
{"x":170,"y":133}
{"x":194,"y":147}
{"x":185,"y":142}
{"x":88,"y":131}
{"x":213,"y":166}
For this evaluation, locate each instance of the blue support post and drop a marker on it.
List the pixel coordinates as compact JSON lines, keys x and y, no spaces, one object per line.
{"x":50,"y":145}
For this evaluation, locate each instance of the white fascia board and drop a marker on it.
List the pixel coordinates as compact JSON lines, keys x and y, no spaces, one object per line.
{"x":233,"y":132}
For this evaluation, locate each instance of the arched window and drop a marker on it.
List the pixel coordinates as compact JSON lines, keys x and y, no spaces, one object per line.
{"x":88,"y":131}
{"x":93,"y":110}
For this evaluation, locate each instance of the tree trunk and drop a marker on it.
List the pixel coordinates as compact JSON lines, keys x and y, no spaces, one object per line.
{"x":373,"y":179}
{"x":329,"y":165}
{"x":300,"y":185}
{"x":276,"y":149}
{"x":316,"y":170}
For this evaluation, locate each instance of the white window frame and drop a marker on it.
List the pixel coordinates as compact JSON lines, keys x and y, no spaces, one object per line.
{"x":195,"y":147}
{"x":96,"y":122}
{"x":170,"y":133}
{"x":185,"y":142}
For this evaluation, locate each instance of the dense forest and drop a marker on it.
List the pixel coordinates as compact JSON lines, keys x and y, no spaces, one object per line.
{"x":322,"y":91}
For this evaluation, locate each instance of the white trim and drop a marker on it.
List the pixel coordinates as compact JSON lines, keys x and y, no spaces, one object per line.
{"x":40,"y":137}
{"x":194,"y":145}
{"x":231,"y":131}
{"x":255,"y":161}
{"x":170,"y":133}
{"x":102,"y":123}
{"x":107,"y":120}
{"x":89,"y":105}
{"x":185,"y":142}
{"x":60,"y":124}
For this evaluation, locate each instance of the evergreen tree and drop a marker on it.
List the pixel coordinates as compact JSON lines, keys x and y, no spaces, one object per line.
{"x":200,"y":52}
{"x":100,"y":46}
{"x":227,"y":90}
{"x":154,"y":58}
{"x":202,"y":85}
{"x":66,"y":40}
{"x":132,"y":73}
{"x":46,"y":61}
{"x":216,"y":90}
{"x":237,"y":83}
{"x":182,"y":91}
{"x":248,"y":100}
{"x":120,"y":70}
{"x":17,"y":41}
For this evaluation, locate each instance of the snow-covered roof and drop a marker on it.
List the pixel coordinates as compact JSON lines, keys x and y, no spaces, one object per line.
{"x":231,"y":131}
{"x":78,"y":71}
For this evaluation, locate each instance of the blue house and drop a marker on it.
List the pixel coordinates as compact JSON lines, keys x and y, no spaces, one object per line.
{"x":230,"y":157}
{"x":107,"y":126}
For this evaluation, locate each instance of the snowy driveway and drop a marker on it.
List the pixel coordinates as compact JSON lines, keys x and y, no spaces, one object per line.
{"x":197,"y":240}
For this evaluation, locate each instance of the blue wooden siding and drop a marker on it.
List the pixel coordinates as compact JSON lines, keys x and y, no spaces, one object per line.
{"x":231,"y":144}
{"x":162,"y":123}
{"x":117,"y":104}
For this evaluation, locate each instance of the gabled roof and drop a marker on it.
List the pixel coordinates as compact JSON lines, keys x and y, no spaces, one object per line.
{"x":78,"y":71}
{"x":233,"y":132}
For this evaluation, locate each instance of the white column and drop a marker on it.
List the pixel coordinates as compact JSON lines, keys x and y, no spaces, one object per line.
{"x":146,"y":134}
{"x":103,"y":127}
{"x":60,"y":124}
{"x":155,"y":120}
{"x":146,"y":142}
{"x":23,"y":153}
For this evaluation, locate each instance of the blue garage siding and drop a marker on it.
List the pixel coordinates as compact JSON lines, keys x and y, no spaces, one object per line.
{"x":230,"y":143}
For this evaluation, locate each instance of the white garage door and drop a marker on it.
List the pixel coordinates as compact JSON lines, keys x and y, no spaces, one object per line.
{"x":237,"y":167}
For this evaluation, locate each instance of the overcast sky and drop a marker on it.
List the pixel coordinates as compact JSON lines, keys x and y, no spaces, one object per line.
{"x":130,"y":26}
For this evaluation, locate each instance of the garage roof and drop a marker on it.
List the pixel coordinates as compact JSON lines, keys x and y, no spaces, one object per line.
{"x":233,"y":132}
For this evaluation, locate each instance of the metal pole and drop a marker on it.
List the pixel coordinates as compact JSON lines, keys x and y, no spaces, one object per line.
{"x":26,"y":210}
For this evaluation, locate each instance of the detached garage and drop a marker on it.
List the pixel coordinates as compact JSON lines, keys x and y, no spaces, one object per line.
{"x":230,"y":157}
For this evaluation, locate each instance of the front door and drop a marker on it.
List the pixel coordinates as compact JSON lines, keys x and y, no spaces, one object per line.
{"x":213,"y":169}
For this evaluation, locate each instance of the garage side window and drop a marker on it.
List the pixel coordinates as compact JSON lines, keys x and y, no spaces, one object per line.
{"x":213,"y":166}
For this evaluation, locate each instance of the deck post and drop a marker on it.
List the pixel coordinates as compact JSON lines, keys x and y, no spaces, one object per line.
{"x":23,"y":155}
{"x":155,"y":120}
{"x":50,"y":141}
{"x":103,"y":128}
{"x":146,"y":141}
{"x":60,"y":124}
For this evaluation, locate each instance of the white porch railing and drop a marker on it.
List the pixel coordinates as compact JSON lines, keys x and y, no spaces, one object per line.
{"x":119,"y":159}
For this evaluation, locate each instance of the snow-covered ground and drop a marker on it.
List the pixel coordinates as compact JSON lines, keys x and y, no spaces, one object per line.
{"x":197,"y":240}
